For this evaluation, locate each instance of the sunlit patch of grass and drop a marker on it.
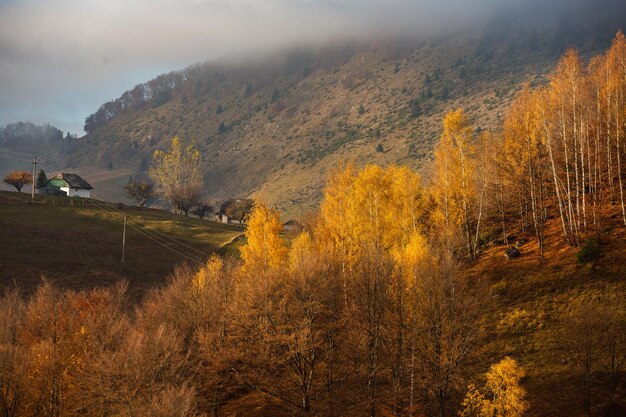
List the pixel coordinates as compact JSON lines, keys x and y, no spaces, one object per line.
{"x":530,"y":297}
{"x":233,"y":248}
{"x":519,"y":320}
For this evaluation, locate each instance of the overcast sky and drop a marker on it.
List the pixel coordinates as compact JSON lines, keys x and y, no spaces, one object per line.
{"x":61,"y":59}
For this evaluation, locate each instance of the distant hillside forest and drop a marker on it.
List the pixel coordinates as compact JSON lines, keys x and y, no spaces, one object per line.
{"x":29,"y":136}
{"x":20,"y":140}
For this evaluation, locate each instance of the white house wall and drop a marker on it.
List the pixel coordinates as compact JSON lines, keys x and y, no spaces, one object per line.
{"x":76,"y":192}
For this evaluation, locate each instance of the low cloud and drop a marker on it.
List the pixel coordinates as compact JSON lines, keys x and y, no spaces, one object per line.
{"x":60,"y":59}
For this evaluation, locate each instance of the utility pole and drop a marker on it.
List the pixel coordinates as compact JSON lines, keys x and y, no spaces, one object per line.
{"x":32,"y":195}
{"x":124,"y":239}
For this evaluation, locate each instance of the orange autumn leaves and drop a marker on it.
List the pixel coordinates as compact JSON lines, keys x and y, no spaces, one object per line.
{"x":560,"y":153}
{"x":264,"y":249}
{"x":373,"y":209}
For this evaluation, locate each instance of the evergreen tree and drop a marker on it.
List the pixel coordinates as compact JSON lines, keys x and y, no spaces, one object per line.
{"x":42,"y":179}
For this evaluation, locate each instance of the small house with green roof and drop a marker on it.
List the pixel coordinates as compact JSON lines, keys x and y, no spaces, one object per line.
{"x":72,"y":184}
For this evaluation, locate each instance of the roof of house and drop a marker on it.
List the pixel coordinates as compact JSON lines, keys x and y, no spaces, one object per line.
{"x":73,"y":180}
{"x":243,"y":204}
{"x":293,"y":226}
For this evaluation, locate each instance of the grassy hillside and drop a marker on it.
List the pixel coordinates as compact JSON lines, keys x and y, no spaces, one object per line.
{"x":530,"y":299}
{"x":79,"y":246}
{"x":285,"y":124}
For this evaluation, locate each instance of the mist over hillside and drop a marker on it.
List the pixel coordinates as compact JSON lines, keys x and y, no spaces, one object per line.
{"x":533,"y":26}
{"x":273,"y":126}
{"x":20,"y":141}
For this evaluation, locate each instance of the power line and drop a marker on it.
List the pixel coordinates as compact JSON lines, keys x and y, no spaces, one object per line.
{"x":99,"y":204}
{"x":20,"y":153}
{"x":103,"y":205}
{"x":46,"y":165}
{"x":15,"y":158}
{"x":159,"y":242}
{"x":154,"y":230}
{"x":147,"y":234}
{"x":136,"y":225}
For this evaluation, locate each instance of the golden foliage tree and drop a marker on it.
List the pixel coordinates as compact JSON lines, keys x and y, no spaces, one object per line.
{"x":502,"y":394}
{"x":177,"y":175}
{"x":566,"y":140}
{"x":526,"y":158}
{"x":376,"y":207}
{"x":333,"y":210}
{"x":206,"y":276}
{"x":562,"y":149}
{"x":265,"y":249}
{"x":615,"y":62}
{"x":14,"y":363}
{"x":370,"y":219}
{"x":444,"y":308}
{"x":455,"y":190}
{"x":18,"y":179}
{"x":300,"y":250}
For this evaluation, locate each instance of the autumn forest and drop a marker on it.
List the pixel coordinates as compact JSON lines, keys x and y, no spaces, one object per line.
{"x":371,"y":309}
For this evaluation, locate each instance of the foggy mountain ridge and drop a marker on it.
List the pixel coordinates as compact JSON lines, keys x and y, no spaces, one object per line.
{"x":584,"y":24}
{"x":273,"y":124}
{"x":101,"y":49}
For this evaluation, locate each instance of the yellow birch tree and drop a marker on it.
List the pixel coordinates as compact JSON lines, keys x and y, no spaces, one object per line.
{"x":454,"y":189}
{"x":177,"y":175}
{"x":265,"y":248}
{"x":502,"y":395}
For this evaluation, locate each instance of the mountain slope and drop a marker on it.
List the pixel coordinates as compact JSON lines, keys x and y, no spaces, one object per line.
{"x":273,"y":128}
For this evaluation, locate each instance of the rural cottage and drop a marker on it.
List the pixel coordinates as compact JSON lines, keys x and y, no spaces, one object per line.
{"x":73,"y":185}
